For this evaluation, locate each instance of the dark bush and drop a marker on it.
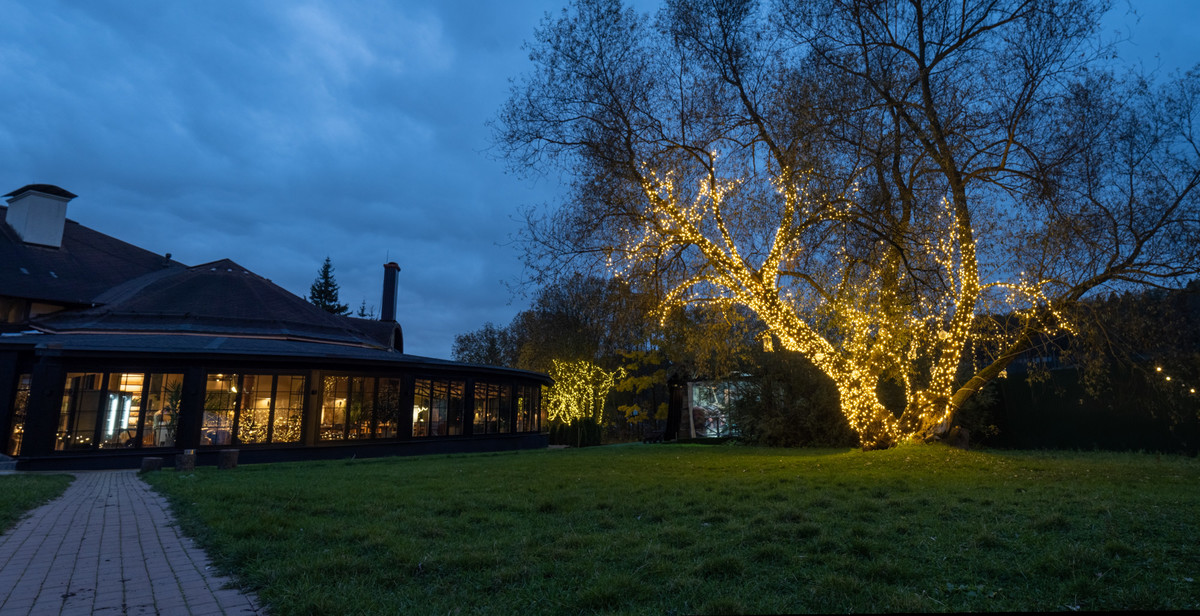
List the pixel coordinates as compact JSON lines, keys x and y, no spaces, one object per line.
{"x":1139,"y":411}
{"x":585,"y":433}
{"x":983,"y":414}
{"x":788,"y":402}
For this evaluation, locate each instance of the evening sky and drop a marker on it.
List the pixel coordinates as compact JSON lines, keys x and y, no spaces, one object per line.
{"x":276,"y":133}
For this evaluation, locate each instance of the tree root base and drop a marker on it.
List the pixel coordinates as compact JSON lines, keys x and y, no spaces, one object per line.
{"x":958,"y":437}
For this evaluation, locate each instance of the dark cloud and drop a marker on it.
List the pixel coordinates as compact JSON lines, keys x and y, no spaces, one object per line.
{"x":275,"y":133}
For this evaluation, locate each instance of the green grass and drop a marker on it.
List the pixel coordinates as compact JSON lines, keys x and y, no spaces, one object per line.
{"x":672,"y":529}
{"x":25,"y":492}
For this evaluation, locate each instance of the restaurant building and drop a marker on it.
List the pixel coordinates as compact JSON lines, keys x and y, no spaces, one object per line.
{"x":110,"y":353}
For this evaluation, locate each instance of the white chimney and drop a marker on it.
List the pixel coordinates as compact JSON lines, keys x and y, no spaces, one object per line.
{"x":37,"y":213}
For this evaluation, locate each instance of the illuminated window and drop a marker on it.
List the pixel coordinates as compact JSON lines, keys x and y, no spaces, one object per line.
{"x":163,"y":394}
{"x":485,"y":408}
{"x":77,"y":414}
{"x":254,"y":414}
{"x":542,"y":410}
{"x":522,"y":419}
{"x":360,"y":407}
{"x":347,"y":408}
{"x":421,"y":407}
{"x":122,"y":410}
{"x":118,"y":410}
{"x":333,"y":408}
{"x":528,"y":408}
{"x":253,"y":409}
{"x":289,"y":408}
{"x":504,"y":413}
{"x":493,"y":408}
{"x":20,"y":407}
{"x":438,"y":407}
{"x":456,"y":407}
{"x":220,"y":407}
{"x":389,"y":414}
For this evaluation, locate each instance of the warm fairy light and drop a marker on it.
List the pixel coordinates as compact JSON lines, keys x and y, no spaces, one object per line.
{"x":1167,"y":377}
{"x":579,"y":391}
{"x":860,"y":323}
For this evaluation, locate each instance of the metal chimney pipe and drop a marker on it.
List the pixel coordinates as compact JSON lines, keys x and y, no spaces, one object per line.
{"x":391,"y":273}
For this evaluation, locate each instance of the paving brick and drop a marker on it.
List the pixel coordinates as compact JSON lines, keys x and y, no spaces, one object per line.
{"x":139,"y":598}
{"x":171,"y":606}
{"x":23,"y":593}
{"x":17,"y":607}
{"x":50,"y":609}
{"x":109,"y":545}
{"x":208,"y":606}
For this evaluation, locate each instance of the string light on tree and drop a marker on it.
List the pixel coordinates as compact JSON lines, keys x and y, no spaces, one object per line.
{"x":874,"y":227}
{"x":579,"y":391}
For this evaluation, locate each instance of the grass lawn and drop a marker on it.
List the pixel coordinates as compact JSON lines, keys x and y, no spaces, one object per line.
{"x":673,"y":529}
{"x":25,"y":492}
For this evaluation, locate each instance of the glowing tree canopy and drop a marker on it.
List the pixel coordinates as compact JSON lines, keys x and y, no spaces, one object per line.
{"x":872,"y":178}
{"x":579,"y":391}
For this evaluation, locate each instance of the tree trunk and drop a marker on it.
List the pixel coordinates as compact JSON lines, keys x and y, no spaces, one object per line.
{"x":867,"y":416}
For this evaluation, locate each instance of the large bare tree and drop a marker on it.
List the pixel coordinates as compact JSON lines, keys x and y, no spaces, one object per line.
{"x":872,"y":178}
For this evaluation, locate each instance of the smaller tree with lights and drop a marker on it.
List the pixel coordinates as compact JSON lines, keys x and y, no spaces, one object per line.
{"x":579,"y":393}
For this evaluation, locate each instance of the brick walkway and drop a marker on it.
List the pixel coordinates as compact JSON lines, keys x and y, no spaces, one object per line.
{"x":109,"y":545}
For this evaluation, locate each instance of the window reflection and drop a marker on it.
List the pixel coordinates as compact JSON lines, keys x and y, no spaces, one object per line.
{"x":493,"y":408}
{"x":455,"y":408}
{"x":289,"y":408}
{"x":254,"y":418}
{"x":360,"y":407}
{"x":528,"y":401}
{"x":220,"y":405}
{"x":388,"y":412}
{"x":137,"y":409}
{"x":438,"y":407}
{"x":163,"y":394}
{"x":118,"y":410}
{"x":77,"y":415}
{"x":20,"y":407}
{"x":421,"y":407}
{"x":260,"y":408}
{"x":333,"y":408}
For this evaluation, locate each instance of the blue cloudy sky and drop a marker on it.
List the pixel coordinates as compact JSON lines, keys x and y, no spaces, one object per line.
{"x":275,"y":133}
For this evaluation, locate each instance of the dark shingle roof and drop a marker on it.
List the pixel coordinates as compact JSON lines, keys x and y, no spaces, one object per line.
{"x":387,"y":333}
{"x":88,"y":264}
{"x":49,"y":189}
{"x":232,"y":347}
{"x":221,"y":297}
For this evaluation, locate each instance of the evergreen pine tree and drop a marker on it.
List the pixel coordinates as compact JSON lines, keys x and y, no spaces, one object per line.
{"x":324,"y":291}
